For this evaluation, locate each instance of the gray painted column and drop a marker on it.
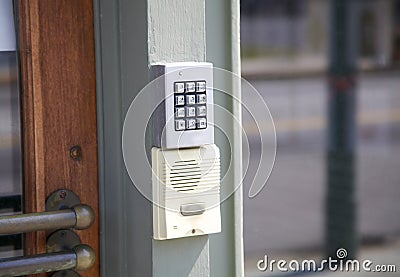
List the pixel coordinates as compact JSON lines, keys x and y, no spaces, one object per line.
{"x":176,"y":33}
{"x":129,"y":36}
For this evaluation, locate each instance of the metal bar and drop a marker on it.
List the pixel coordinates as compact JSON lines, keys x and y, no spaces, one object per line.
{"x":38,"y":264}
{"x":79,"y":217}
{"x":81,"y":258}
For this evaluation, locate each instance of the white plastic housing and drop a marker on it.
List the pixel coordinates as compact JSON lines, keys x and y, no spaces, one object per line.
{"x":186,"y":192}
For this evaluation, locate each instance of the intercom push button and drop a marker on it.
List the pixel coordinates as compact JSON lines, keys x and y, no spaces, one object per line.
{"x":193,"y":209}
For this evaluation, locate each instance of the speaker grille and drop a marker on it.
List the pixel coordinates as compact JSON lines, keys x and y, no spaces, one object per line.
{"x":193,"y":176}
{"x":185,"y":175}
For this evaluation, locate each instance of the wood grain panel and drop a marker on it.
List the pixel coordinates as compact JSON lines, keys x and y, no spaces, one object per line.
{"x":57,"y":58}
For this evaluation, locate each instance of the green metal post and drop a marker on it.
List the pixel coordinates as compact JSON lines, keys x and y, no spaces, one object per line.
{"x":340,"y":198}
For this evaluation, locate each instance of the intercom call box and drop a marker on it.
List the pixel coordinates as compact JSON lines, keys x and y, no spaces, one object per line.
{"x":185,"y":160}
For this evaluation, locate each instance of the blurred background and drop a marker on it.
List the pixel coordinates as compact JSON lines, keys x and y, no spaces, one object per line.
{"x":329,"y":71}
{"x":10,"y":132}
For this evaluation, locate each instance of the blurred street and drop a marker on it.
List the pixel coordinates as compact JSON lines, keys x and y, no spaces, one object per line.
{"x":288,"y":214}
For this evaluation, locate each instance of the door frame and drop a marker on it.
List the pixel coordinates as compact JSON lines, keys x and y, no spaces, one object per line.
{"x":58,"y":97}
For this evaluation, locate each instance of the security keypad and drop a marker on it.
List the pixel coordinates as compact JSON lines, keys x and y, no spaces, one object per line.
{"x":182,"y":94}
{"x":190,"y":105}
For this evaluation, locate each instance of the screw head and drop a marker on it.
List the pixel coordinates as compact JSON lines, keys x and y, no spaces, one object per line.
{"x":63,"y":194}
{"x":61,"y":199}
{"x":75,"y":152}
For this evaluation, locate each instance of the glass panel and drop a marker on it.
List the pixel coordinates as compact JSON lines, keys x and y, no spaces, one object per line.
{"x":10,"y":133}
{"x":288,"y":54}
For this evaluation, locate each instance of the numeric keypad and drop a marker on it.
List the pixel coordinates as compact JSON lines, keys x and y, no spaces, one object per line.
{"x":190,"y":105}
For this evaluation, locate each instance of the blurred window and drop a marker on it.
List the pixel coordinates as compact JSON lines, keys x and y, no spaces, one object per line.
{"x":10,"y":133}
{"x":285,"y":50}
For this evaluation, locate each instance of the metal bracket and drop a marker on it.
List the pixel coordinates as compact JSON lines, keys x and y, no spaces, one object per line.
{"x":62,"y":199}
{"x":65,"y":239}
{"x":62,"y":240}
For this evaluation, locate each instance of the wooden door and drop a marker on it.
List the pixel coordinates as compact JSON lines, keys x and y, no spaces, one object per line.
{"x":58,"y":88}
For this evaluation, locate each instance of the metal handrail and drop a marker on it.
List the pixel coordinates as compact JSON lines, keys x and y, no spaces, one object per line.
{"x":79,"y":217}
{"x":80,"y":258}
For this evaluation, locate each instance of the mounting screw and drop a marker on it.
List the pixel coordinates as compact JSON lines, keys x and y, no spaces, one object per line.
{"x":63,"y":194}
{"x":75,"y":152}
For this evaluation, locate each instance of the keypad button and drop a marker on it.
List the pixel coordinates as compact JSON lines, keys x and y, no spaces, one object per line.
{"x":179,"y":100}
{"x":191,"y":124}
{"x":179,"y":125}
{"x":190,"y":99}
{"x":201,"y":111}
{"x":190,"y":87}
{"x":201,"y":86}
{"x":201,"y":123}
{"x":179,"y":88}
{"x":190,"y":111}
{"x":201,"y":99}
{"x":180,"y":112}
